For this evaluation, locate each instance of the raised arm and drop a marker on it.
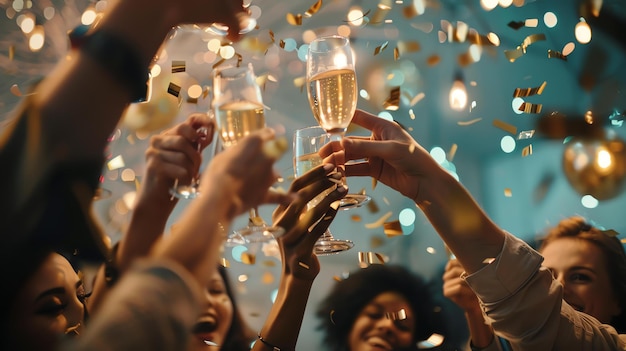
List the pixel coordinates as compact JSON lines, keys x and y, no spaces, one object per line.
{"x":300,"y":265}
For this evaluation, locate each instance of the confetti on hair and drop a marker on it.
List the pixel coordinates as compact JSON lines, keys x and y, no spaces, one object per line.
{"x":380,"y":222}
{"x":179,"y":66}
{"x":524,"y":92}
{"x":392,"y":229}
{"x":527,"y":151}
{"x":470,"y":122}
{"x":505,"y":126}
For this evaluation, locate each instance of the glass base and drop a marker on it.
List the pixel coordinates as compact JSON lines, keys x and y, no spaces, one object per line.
{"x":259,"y":234}
{"x":353,"y":201}
{"x":331,"y":246}
{"x":185,"y":192}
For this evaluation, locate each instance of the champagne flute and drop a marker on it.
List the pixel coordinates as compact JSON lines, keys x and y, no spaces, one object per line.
{"x":306,"y":144}
{"x":190,"y":191}
{"x":332,"y":92}
{"x":239,"y":110}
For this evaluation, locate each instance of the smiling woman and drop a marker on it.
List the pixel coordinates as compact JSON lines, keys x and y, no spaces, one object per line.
{"x":382,"y":307}
{"x":49,"y":306}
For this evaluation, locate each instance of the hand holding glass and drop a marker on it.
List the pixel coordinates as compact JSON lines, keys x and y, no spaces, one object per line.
{"x":239,"y":110}
{"x":306,"y":144}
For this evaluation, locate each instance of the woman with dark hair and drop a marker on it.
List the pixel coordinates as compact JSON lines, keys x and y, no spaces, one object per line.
{"x":379,"y":306}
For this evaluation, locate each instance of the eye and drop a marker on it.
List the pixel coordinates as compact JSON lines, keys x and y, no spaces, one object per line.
{"x":51,"y":308}
{"x":402,"y":325}
{"x":81,"y":294}
{"x":579,"y":278}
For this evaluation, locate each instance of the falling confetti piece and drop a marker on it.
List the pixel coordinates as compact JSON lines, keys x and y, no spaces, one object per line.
{"x":173,"y":89}
{"x":313,"y":9}
{"x":526,"y":134}
{"x":524,"y":92}
{"x":393,"y":101}
{"x":505,"y":126}
{"x":470,"y":122}
{"x":527,"y":107}
{"x":116,"y":162}
{"x":433,"y":60}
{"x":452,"y":152}
{"x":556,"y":54}
{"x":369,"y":258}
{"x":380,"y":222}
{"x":417,"y":99}
{"x":355,"y":218}
{"x":392,"y":229}
{"x":527,"y":151}
{"x":380,"y":48}
{"x":508,"y":192}
{"x":179,"y":66}
{"x":15,"y":90}
{"x":248,"y":258}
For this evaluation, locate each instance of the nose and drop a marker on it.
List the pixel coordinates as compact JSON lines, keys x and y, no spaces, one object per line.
{"x":387,"y":325}
{"x":75,"y":315}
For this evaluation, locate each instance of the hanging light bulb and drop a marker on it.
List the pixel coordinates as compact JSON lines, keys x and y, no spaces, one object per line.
{"x":458,"y":94}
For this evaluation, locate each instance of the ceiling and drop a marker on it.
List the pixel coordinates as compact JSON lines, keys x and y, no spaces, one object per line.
{"x":591,"y":78}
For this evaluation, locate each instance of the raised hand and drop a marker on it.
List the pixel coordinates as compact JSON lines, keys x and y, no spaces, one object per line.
{"x":456,"y":289}
{"x":391,"y":155}
{"x":296,"y":245}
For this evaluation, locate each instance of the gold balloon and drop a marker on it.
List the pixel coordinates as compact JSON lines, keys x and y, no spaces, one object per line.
{"x":596,"y":166}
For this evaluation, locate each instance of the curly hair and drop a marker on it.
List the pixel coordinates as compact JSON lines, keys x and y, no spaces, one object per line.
{"x":612,"y":250}
{"x":349,"y":296}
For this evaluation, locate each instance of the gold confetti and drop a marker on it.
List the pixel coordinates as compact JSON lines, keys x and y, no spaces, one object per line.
{"x":178,"y":66}
{"x":303,"y":265}
{"x":313,"y":9}
{"x":281,"y":43}
{"x":525,"y":134}
{"x":248,"y":258}
{"x":452,"y":152}
{"x":383,"y":8}
{"x":374,"y":183}
{"x":294,"y":20}
{"x":379,"y":222}
{"x":409,"y":46}
{"x":508,"y":192}
{"x":267,"y":278}
{"x":392,"y":228}
{"x":488,"y":260}
{"x":355,"y":218}
{"x":417,"y":99}
{"x":433,"y":60}
{"x":11,"y":52}
{"x":527,"y":151}
{"x":524,"y":92}
{"x":15,"y":90}
{"x":369,"y":258}
{"x":173,"y":89}
{"x":470,"y":122}
{"x":224,"y":262}
{"x":513,"y":55}
{"x":376,"y":241}
{"x":380,"y":48}
{"x":372,"y":206}
{"x":116,"y":162}
{"x":527,"y":107}
{"x":505,"y":126}
{"x":396,"y":54}
{"x":556,"y":54}
{"x":393,"y":101}
{"x":412,"y":148}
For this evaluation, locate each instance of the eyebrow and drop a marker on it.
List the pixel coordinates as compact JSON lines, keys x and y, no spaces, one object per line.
{"x":56,"y":291}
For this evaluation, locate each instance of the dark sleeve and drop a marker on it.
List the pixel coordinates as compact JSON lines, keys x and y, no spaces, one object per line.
{"x":152,"y":307}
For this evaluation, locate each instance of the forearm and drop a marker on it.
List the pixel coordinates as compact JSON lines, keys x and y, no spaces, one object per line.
{"x":196,"y":241}
{"x":459,"y":220}
{"x":284,"y":321}
{"x":481,"y":334}
{"x":83,"y":95}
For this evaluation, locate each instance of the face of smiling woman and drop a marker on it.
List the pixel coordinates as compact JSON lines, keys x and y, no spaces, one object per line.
{"x":215,"y":321}
{"x":373,"y":331}
{"x":50,"y":305}
{"x":582,"y":270}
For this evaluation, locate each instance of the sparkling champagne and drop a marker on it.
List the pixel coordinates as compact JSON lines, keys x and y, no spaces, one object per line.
{"x":333,"y":96}
{"x":307,"y":162}
{"x":237,"y":119}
